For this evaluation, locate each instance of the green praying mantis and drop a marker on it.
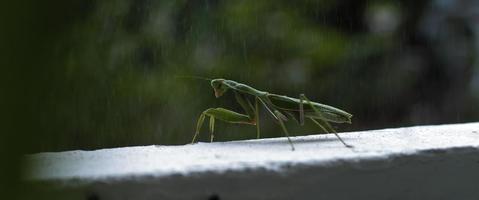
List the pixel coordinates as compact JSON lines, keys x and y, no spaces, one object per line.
{"x":280,"y":107}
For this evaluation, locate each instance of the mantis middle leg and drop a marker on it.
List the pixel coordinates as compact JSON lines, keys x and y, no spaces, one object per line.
{"x":278,"y":116}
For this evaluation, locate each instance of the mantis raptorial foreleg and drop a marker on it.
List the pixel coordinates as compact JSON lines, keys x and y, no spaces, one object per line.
{"x":253,"y":112}
{"x":320,"y":122}
{"x":199,"y":123}
{"x":223,"y":115}
{"x":245,"y":103}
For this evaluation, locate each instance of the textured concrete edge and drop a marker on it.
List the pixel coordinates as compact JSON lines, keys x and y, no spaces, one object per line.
{"x":429,"y":174}
{"x":280,"y":168}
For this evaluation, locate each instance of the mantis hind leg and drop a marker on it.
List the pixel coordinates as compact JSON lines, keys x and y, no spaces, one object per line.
{"x":256,"y":112}
{"x":323,"y":124}
{"x":301,"y":110}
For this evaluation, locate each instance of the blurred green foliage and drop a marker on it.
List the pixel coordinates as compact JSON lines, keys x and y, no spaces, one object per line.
{"x":97,"y":74}
{"x":110,"y":75}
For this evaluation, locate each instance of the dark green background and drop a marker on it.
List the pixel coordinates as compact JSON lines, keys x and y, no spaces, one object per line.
{"x":98,"y":74}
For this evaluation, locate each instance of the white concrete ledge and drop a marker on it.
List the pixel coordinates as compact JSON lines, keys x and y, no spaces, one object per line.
{"x":425,"y":162}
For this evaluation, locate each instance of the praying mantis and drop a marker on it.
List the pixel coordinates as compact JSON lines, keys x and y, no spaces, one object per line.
{"x":280,"y":107}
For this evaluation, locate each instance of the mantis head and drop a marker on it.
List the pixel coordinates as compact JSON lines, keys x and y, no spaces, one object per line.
{"x":219,"y":87}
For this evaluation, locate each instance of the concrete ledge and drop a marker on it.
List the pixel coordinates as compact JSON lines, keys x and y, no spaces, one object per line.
{"x":424,"y":162}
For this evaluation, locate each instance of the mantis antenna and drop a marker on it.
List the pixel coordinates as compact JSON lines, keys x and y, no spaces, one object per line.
{"x":193,"y":77}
